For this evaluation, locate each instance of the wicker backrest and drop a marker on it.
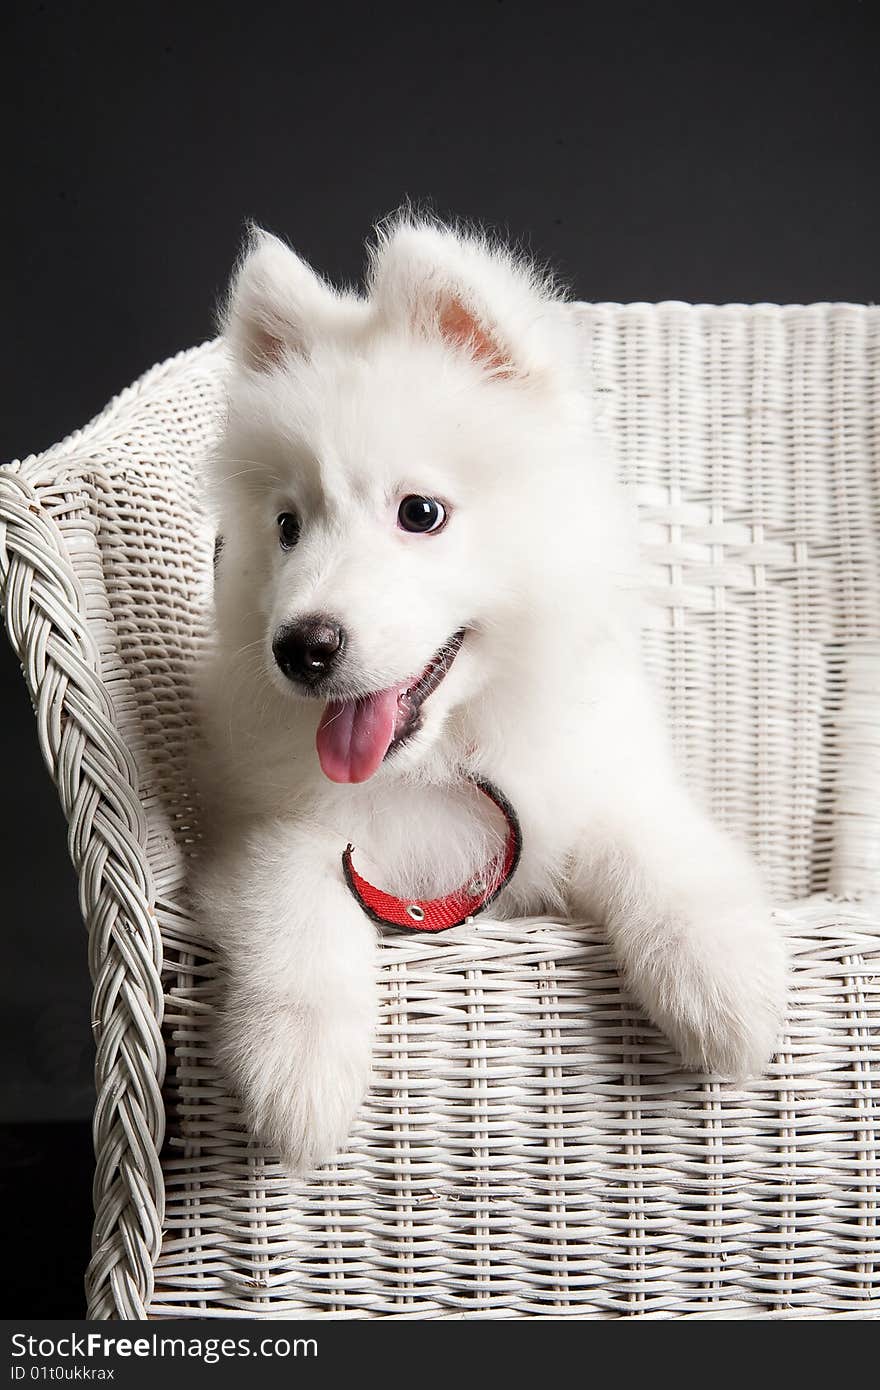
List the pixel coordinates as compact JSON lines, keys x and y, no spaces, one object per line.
{"x":499,"y":1159}
{"x":752,"y":436}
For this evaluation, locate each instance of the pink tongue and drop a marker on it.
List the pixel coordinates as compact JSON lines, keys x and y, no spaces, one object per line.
{"x":353,"y":735}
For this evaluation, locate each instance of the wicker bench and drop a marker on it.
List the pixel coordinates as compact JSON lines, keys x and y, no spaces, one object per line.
{"x":531,"y":1145}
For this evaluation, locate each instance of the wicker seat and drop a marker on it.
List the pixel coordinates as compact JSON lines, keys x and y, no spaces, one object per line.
{"x":531,"y":1144}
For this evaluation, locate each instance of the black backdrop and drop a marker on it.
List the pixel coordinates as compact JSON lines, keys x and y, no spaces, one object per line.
{"x":700,"y":152}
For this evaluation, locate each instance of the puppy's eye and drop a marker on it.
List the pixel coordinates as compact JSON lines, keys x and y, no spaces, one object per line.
{"x":421,"y":514}
{"x":288,"y":530}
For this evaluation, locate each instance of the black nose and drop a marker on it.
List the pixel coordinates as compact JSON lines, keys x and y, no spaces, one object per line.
{"x":308,"y":649}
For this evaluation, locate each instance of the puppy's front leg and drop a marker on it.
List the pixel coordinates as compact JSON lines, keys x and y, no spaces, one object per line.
{"x":295,"y":1030}
{"x":689,"y":922}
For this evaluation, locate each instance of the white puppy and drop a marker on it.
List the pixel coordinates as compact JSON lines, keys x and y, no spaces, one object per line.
{"x":423,"y":579}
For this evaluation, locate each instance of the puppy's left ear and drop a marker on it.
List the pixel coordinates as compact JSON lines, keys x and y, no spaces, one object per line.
{"x":276,"y":304}
{"x":475,"y":297}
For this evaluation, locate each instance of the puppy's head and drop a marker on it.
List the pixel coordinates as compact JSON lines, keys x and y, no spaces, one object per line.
{"x":398,"y":478}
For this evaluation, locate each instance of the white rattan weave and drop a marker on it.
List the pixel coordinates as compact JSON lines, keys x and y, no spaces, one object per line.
{"x":530,"y":1145}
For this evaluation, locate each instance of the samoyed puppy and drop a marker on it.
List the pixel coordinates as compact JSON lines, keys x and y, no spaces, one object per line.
{"x":426,"y":582}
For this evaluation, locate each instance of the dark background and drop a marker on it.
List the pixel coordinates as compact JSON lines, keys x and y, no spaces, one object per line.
{"x":649,"y":151}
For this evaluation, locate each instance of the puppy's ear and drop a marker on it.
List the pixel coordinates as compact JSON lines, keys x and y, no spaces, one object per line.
{"x":463,"y":325}
{"x":476,"y":297}
{"x":275,"y":306}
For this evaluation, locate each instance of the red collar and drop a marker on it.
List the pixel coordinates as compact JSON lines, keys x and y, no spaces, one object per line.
{"x":437,"y":914}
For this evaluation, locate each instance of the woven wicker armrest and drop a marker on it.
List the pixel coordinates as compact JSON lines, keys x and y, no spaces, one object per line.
{"x":530,"y":1144}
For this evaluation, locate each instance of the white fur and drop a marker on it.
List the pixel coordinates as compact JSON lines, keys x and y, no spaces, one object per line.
{"x":339,"y":405}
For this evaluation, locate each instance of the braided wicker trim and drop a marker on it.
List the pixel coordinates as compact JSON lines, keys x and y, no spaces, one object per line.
{"x":97,"y":784}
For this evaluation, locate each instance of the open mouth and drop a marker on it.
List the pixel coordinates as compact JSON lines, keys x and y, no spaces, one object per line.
{"x":354,"y":736}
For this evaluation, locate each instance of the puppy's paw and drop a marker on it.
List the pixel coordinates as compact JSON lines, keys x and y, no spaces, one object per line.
{"x":715,"y":985}
{"x":301,"y":1074}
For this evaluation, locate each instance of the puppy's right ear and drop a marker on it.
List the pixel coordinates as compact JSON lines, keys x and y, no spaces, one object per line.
{"x":275,"y":305}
